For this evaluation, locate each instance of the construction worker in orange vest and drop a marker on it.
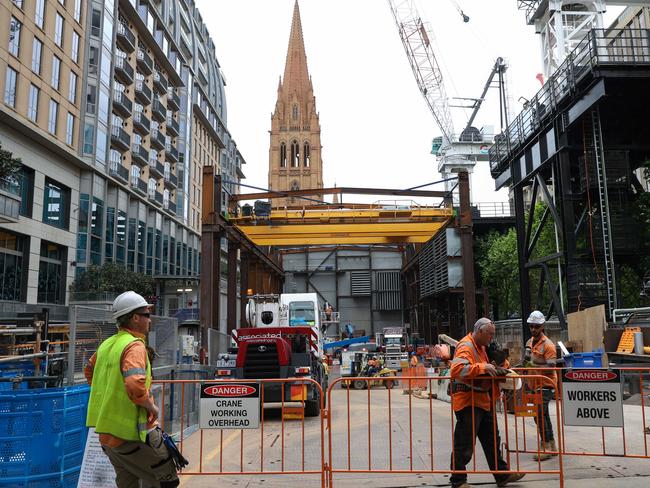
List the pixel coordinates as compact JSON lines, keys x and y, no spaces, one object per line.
{"x":473,"y":401}
{"x":540,"y":351}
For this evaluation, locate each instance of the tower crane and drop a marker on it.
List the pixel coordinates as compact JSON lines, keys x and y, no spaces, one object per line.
{"x":454,"y":152}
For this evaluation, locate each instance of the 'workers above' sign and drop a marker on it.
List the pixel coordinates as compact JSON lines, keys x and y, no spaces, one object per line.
{"x":592,"y":398}
{"x":229,"y":406}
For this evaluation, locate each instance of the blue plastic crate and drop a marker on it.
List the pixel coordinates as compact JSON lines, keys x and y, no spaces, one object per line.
{"x":584,"y":360}
{"x":42,"y":433}
{"x":66,"y":479}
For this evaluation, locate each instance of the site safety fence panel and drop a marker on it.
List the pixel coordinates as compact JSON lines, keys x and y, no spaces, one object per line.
{"x":287,"y":440}
{"x":376,"y":428}
{"x":631,"y":440}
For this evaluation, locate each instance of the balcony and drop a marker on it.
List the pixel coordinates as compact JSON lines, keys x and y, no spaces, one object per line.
{"x":171,"y":181}
{"x":116,"y":169}
{"x":155,"y":196}
{"x":145,"y":63}
{"x":125,"y":38}
{"x":172,"y":126}
{"x":139,"y":154}
{"x":123,"y":70}
{"x":142,"y":92}
{"x":9,"y":201}
{"x":170,"y":207}
{"x":141,"y":123}
{"x":157,"y":169}
{"x":120,"y":138}
{"x":157,"y":139}
{"x":121,"y":104}
{"x":160,"y":82}
{"x":139,"y":186}
{"x":172,"y":153}
{"x":173,"y":100}
{"x":158,"y":110}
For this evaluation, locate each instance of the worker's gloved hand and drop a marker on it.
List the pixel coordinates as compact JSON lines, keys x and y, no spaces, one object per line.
{"x":501,"y":371}
{"x":538,"y":360}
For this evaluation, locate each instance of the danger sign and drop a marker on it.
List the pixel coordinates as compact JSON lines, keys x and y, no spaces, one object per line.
{"x":229,"y":406}
{"x":592,"y":398}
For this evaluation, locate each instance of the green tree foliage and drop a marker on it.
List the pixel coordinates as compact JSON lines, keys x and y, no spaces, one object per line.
{"x":9,"y":166}
{"x":111,"y":277}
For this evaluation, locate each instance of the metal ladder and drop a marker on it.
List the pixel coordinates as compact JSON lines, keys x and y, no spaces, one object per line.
{"x":608,"y":253}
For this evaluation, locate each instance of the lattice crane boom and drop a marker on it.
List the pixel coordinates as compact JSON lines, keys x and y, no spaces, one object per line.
{"x":416,"y":39}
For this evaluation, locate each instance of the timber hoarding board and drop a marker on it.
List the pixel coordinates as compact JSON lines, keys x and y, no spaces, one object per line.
{"x":592,"y":397}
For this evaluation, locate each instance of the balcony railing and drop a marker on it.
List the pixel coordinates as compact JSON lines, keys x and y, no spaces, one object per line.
{"x":172,"y":126}
{"x":139,"y":154}
{"x":139,"y":185}
{"x":142,"y":92}
{"x":158,"y":110}
{"x":125,"y":37}
{"x":155,"y":196}
{"x":144,"y":61}
{"x":121,"y":104}
{"x":170,"y":207}
{"x":123,"y":70}
{"x":171,"y":180}
{"x":156,"y":169}
{"x":172,"y":153}
{"x":160,"y":82}
{"x":120,"y":138}
{"x":157,"y":139}
{"x":116,"y":169}
{"x":141,"y":122}
{"x":173,"y":100}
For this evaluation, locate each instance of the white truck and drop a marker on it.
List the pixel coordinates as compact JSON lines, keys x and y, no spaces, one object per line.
{"x":394,"y":342}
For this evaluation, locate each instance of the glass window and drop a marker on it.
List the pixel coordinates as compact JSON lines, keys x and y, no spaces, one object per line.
{"x":39,"y":14}
{"x":14,"y":36}
{"x":93,"y":59}
{"x":51,"y":120}
{"x":97,"y":217}
{"x":72,"y":87}
{"x":89,"y":139}
{"x":58,"y":30}
{"x":96,"y":23}
{"x":69,"y":129}
{"x":74,"y":50}
{"x":37,"y":50}
{"x":77,"y":10}
{"x":62,"y":2}
{"x":110,"y":233}
{"x":11,"y":265}
{"x":56,"y":203}
{"x":302,"y":313}
{"x":100,"y":153}
{"x":32,"y":107}
{"x":10,"y":87}
{"x":51,"y":276}
{"x":120,"y":237}
{"x":56,"y":73}
{"x":103,"y":109}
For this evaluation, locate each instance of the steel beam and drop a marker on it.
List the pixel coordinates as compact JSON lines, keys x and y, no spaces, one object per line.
{"x":467,"y":246}
{"x":338,"y":190}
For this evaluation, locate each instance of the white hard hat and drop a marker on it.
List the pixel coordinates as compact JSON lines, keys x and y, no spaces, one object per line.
{"x":536,"y":317}
{"x":128,"y":302}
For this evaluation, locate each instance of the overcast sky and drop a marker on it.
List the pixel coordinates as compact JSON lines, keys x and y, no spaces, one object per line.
{"x":376,"y":129}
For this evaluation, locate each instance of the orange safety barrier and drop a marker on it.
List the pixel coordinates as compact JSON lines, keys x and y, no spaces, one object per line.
{"x":399,"y":435}
{"x":419,"y":378}
{"x":271,"y":449}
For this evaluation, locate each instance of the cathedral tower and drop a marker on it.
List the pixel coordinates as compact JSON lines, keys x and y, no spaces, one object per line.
{"x":295,"y":152}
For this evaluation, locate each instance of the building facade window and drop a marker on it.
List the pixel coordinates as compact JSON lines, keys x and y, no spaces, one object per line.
{"x":18,"y":3}
{"x":51,"y":274}
{"x":306,"y":155}
{"x":32,"y":106}
{"x":10,"y":87}
{"x":26,"y":186}
{"x":58,"y":30}
{"x":52,"y":117}
{"x":11,"y":265}
{"x":37,"y":51}
{"x":39,"y":13}
{"x":69,"y":129}
{"x":110,"y":233}
{"x":283,"y":155}
{"x":89,"y":139}
{"x":77,"y":10}
{"x":56,"y":204}
{"x":72,"y":88}
{"x":74,"y":51}
{"x":14,"y":36}
{"x":295,"y":154}
{"x":56,"y":73}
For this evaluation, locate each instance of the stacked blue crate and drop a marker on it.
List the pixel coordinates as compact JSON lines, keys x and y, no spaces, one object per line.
{"x":42,"y":436}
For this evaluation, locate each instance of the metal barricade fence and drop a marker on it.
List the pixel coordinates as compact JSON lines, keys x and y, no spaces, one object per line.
{"x":401,"y":434}
{"x":269,"y":450}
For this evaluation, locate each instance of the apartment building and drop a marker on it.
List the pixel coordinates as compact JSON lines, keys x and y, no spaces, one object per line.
{"x":126,"y":104}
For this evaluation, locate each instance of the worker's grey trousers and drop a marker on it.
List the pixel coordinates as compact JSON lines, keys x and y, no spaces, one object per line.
{"x":147,"y":461}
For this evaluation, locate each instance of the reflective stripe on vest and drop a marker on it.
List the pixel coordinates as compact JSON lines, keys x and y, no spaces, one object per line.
{"x":464,"y":372}
{"x":110,"y":410}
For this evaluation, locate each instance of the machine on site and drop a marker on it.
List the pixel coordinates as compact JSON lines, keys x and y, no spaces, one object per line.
{"x":284,"y":340}
{"x":394,"y":343}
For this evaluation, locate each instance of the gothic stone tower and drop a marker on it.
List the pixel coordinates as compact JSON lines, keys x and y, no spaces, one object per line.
{"x":295,"y":152}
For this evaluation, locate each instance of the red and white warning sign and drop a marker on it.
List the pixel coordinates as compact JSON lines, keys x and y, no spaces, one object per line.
{"x":592,"y":397}
{"x":229,"y":406}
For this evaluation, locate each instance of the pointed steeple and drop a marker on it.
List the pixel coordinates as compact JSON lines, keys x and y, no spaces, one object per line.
{"x":296,"y":75}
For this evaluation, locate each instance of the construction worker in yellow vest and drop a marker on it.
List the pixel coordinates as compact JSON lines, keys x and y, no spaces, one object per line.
{"x":540,"y":351}
{"x":121,"y":407}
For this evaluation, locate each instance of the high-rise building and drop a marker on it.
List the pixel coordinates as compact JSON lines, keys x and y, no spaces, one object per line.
{"x":295,"y":152}
{"x":113,"y":107}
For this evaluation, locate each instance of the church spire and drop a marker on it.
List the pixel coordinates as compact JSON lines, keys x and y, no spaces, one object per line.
{"x":296,"y":75}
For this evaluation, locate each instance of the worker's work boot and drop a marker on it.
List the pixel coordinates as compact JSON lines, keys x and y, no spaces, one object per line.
{"x":464,"y":485}
{"x":548,"y":452}
{"x":511,"y":479}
